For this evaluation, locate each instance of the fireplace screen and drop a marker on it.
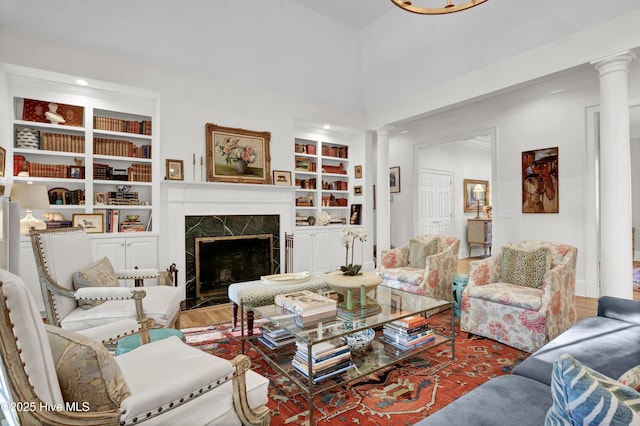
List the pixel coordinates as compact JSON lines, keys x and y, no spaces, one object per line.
{"x":221,"y":261}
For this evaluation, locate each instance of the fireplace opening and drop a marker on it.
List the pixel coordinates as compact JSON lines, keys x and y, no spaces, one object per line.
{"x":221,"y":261}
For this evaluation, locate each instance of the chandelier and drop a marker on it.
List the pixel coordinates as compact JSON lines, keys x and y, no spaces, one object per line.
{"x":449,"y":8}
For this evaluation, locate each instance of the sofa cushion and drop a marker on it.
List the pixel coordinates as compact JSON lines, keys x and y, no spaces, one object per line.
{"x":504,"y":400}
{"x":97,"y":274}
{"x":419,"y":250}
{"x":631,"y":378}
{"x":524,"y":267}
{"x":584,"y":396}
{"x":508,"y":294}
{"x":600,"y":343}
{"x":86,"y":371}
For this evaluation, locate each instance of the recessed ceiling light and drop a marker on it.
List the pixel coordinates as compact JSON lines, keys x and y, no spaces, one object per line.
{"x":81,"y":82}
{"x":404,"y":131}
{"x":326,"y":126}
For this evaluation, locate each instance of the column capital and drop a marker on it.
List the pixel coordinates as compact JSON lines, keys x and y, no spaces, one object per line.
{"x":617,"y":62}
{"x":384,"y":130}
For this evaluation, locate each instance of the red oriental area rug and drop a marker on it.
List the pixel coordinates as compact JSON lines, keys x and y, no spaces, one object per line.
{"x":400,"y":395}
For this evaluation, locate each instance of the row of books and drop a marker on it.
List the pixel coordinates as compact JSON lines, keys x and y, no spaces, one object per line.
{"x":335,"y":151}
{"x":63,"y":171}
{"x":372,"y":307}
{"x":120,"y":148}
{"x":408,"y":333}
{"x":327,"y":359}
{"x":306,"y":183}
{"x":305,"y":149}
{"x":67,"y":197}
{"x":274,"y":337}
{"x":62,"y":142}
{"x":339,"y":185}
{"x":135,"y":173}
{"x":126,"y":126}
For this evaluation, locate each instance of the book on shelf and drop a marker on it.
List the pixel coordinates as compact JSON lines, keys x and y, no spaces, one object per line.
{"x":302,"y":351}
{"x":322,"y":365}
{"x":406,"y":331}
{"x":323,"y":348}
{"x":275,"y":344}
{"x":313,"y":320}
{"x":414,"y":344}
{"x":306,"y":303}
{"x":406,"y":339}
{"x":410,"y":321}
{"x":320,"y":376}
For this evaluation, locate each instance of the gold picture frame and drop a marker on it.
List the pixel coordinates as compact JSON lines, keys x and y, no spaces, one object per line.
{"x":282,"y":178}
{"x":394,"y":179}
{"x":357,"y":171}
{"x":3,"y":159}
{"x":470,"y":202}
{"x":92,"y":223}
{"x":237,"y":155}
{"x":175,"y":169}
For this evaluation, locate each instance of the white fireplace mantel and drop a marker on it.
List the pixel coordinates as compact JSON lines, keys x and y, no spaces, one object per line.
{"x":180,"y":199}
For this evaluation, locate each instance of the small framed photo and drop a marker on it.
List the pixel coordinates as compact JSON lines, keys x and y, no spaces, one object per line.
{"x":356,"y":214}
{"x":3,"y":156}
{"x":75,"y":172}
{"x":357,"y":190}
{"x":92,"y":223}
{"x":175,"y":169}
{"x":100,"y":198}
{"x":357,"y":172}
{"x":395,"y":303}
{"x":394,"y":179}
{"x":303,"y":164}
{"x":282,"y":178}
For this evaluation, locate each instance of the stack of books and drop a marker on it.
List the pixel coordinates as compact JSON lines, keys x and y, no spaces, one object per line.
{"x":274,"y":337}
{"x":408,"y":333}
{"x":327,"y":359}
{"x":371,"y":308}
{"x":307,"y":304}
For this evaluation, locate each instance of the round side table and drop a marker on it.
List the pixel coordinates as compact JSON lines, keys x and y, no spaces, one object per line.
{"x":347,"y":285}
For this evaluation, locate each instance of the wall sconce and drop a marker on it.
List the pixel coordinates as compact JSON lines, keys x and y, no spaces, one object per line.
{"x":30,"y":196}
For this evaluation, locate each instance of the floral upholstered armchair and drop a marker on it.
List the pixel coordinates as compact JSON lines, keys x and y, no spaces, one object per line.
{"x":425,"y":265}
{"x":524,"y":296}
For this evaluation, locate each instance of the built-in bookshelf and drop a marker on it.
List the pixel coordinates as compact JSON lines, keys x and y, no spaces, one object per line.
{"x":322,"y":180}
{"x":92,"y":149}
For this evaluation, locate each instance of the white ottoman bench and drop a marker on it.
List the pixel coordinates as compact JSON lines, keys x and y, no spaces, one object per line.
{"x":259,"y":294}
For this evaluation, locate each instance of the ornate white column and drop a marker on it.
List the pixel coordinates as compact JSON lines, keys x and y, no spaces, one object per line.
{"x":383,"y":204}
{"x":616,"y":259}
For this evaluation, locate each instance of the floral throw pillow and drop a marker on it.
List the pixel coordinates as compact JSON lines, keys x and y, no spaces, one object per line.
{"x":98,"y":274}
{"x":419,"y":251}
{"x":582,"y":396}
{"x":631,"y":378}
{"x":524,"y":267}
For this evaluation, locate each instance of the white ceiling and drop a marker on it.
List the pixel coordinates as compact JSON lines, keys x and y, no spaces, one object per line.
{"x":354,"y":13}
{"x":351,"y":53}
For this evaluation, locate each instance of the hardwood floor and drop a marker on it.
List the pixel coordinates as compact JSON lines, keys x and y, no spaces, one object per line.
{"x":586,"y":306}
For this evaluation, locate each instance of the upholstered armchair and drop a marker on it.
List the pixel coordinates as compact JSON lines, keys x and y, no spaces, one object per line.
{"x":424,"y":265}
{"x":80,"y":293}
{"x":59,"y":377}
{"x":524,"y":296}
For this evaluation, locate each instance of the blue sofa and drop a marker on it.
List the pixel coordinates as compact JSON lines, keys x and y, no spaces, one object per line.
{"x":608,"y":343}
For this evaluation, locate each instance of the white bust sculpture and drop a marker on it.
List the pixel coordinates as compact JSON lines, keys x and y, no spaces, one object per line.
{"x":52,"y":114}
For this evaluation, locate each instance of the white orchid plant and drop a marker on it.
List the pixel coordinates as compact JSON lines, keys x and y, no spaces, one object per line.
{"x":349,"y":236}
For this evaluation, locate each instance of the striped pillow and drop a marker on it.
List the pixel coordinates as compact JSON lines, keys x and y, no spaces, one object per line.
{"x":584,"y":396}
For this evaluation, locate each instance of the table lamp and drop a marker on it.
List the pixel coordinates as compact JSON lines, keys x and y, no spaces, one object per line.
{"x":30,"y":196}
{"x":477,"y":190}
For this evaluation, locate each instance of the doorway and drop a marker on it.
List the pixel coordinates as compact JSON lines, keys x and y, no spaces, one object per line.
{"x":435,"y":199}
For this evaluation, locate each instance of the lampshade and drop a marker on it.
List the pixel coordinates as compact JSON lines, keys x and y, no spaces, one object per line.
{"x":478,"y":189}
{"x":30,"y":196}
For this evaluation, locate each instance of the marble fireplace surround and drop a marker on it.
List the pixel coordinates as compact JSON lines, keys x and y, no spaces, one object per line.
{"x":184,"y":199}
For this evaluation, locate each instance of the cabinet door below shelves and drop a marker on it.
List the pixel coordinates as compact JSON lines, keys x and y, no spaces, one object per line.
{"x":311,"y":251}
{"x":128,"y":252}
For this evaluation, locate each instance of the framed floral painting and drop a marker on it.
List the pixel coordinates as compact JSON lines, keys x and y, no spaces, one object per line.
{"x":237,"y":155}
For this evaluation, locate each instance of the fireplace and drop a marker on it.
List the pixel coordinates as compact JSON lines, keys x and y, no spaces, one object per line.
{"x":222,"y":249}
{"x":221,"y":261}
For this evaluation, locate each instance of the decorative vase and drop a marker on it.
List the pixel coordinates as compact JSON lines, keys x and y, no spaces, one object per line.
{"x":241,"y":166}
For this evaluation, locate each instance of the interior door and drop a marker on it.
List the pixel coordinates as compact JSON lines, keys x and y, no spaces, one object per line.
{"x":435,"y":202}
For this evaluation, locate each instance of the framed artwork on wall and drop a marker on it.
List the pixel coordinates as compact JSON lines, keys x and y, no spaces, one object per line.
{"x":3,"y":156}
{"x":282,"y":178}
{"x":476,"y":194}
{"x":237,"y":155}
{"x":540,"y":181}
{"x":356,"y":214}
{"x":175,"y":169}
{"x":394,"y":179}
{"x":357,"y":172}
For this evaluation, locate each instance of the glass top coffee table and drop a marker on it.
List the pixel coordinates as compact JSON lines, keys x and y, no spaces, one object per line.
{"x":385,"y":305}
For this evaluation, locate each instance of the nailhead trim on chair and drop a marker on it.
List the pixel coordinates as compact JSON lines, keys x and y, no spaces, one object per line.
{"x":177,"y":402}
